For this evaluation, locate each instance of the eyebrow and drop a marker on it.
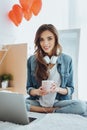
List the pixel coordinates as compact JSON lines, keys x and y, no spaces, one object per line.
{"x":47,"y":37}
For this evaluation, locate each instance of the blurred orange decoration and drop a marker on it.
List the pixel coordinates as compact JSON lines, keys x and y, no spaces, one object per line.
{"x":16,"y":14}
{"x":36,"y":6}
{"x":26,"y":9}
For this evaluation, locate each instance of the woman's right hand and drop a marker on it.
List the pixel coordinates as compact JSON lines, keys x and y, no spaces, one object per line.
{"x":40,"y":91}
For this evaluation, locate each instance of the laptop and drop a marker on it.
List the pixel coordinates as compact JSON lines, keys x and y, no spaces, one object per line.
{"x":13,"y":108}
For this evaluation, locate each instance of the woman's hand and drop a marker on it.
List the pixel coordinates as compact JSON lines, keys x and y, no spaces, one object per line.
{"x":54,"y":88}
{"x":40,"y":91}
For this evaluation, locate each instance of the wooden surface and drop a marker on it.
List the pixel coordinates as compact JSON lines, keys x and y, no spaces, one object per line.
{"x":14,"y":89}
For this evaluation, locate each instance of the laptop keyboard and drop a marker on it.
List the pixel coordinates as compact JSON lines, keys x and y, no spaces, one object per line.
{"x":31,"y":119}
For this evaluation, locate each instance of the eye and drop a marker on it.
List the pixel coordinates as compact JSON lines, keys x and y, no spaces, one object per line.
{"x":50,"y":38}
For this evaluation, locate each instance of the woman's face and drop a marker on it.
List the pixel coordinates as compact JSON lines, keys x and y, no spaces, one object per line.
{"x":47,"y":42}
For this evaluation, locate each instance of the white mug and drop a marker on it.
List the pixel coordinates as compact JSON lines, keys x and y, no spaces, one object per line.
{"x":47,"y":84}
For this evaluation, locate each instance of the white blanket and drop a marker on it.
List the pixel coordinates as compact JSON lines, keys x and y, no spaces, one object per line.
{"x":51,"y":121}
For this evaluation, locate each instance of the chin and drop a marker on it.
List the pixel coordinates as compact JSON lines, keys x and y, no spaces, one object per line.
{"x":46,"y":51}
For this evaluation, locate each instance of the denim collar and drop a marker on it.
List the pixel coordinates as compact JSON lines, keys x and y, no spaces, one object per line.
{"x":59,"y":59}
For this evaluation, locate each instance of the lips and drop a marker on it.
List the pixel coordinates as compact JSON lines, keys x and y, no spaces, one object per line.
{"x":46,"y":48}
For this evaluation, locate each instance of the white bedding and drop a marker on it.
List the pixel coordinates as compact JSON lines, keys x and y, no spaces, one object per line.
{"x":51,"y":121}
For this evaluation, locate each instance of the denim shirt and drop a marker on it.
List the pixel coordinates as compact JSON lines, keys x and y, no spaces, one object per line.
{"x":64,"y":67}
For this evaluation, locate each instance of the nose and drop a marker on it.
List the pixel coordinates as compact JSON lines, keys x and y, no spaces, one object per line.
{"x":46,"y":42}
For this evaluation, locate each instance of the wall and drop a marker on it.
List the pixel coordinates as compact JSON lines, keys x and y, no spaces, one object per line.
{"x":7,"y":34}
{"x":77,"y":13}
{"x":82,"y":78}
{"x":78,"y":19}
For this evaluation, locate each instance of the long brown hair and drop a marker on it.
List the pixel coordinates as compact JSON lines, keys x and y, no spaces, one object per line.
{"x":41,"y":68}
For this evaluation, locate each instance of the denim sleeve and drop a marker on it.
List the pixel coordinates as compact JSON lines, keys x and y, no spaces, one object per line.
{"x":70,"y":84}
{"x":29,"y":76}
{"x":30,"y":80}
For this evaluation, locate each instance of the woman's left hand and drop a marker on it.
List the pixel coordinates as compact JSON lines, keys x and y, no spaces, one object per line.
{"x":54,"y":88}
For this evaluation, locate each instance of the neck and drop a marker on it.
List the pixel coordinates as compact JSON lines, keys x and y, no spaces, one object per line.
{"x":50,"y":55}
{"x":50,"y":65}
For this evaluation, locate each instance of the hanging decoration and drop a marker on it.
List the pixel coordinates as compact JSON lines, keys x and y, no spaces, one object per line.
{"x":26,"y":9}
{"x":27,"y":14}
{"x":26,"y":4}
{"x":36,"y":6}
{"x":16,"y":14}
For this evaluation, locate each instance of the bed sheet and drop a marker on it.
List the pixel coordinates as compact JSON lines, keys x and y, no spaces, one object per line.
{"x":55,"y":121}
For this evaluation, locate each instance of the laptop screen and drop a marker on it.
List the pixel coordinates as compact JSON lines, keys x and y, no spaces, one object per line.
{"x":13,"y":108}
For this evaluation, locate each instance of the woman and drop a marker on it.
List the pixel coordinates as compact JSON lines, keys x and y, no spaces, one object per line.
{"x":50,"y":64}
